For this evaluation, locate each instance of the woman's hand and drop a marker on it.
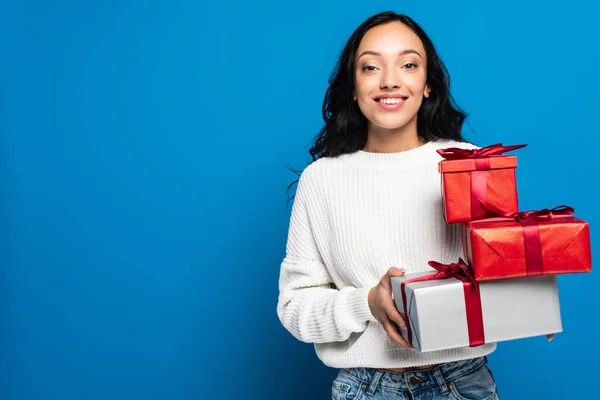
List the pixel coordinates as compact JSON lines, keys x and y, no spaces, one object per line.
{"x":383,"y":308}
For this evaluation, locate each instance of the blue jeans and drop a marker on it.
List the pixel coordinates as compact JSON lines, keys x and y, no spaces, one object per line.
{"x":463,"y":380}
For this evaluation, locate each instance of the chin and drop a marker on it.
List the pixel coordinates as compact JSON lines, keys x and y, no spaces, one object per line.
{"x":389,"y":124}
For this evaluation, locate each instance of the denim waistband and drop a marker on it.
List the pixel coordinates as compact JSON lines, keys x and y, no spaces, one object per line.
{"x":414,"y":380}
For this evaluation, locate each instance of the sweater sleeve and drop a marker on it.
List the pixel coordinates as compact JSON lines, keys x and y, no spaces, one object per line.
{"x":309,"y":307}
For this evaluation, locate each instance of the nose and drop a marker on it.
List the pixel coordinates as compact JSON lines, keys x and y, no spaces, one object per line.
{"x":390,"y":80}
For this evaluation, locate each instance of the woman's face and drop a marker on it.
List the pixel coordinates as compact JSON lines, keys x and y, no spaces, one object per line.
{"x":390,"y":76}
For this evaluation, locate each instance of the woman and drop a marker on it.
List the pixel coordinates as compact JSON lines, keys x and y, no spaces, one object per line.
{"x":370,"y":200}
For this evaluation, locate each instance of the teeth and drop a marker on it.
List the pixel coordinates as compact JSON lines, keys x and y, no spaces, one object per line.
{"x":391,"y":101}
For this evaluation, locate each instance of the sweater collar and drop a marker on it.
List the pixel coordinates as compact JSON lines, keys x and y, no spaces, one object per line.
{"x":400,"y":161}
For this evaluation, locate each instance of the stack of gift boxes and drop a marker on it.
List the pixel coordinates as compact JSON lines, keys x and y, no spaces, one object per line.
{"x":506,"y":287}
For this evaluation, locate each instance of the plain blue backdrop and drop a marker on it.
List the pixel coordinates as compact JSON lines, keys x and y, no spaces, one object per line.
{"x":143,"y":156}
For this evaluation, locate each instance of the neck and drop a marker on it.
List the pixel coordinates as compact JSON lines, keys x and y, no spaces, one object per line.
{"x":381,"y":140}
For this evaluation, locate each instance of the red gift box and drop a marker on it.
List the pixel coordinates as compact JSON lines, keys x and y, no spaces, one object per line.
{"x":528,"y":243}
{"x":479,"y":174}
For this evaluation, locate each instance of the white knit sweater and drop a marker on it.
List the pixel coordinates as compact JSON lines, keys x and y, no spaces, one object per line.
{"x":354,"y":216}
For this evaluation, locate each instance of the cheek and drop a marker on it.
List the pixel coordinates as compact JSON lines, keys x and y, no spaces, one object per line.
{"x":360,"y":90}
{"x":421,"y":81}
{"x":415,"y":83}
{"x":365,"y":85}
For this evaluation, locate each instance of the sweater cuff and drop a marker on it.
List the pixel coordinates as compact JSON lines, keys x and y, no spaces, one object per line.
{"x":358,"y":304}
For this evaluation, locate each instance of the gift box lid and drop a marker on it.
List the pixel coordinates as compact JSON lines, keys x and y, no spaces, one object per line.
{"x":504,"y":223}
{"x":473,"y":164}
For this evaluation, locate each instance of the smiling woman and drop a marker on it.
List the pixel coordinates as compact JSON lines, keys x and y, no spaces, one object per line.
{"x":371,"y":200}
{"x":386,"y":51}
{"x":390,"y":78}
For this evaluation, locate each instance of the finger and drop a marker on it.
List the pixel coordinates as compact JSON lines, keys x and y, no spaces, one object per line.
{"x":386,"y":280}
{"x":393,"y":271}
{"x":392,"y":331}
{"x":393,"y":314}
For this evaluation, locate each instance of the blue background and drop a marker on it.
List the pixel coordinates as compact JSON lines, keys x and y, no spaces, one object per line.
{"x":143,"y":163}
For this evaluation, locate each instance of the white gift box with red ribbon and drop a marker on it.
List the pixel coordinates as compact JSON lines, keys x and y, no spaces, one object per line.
{"x":446,"y":311}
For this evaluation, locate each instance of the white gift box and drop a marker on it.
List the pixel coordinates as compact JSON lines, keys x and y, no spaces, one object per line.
{"x":512,"y":309}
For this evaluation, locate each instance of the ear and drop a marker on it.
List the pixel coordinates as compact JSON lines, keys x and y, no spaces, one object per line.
{"x":354,"y":96}
{"x":427,"y":91}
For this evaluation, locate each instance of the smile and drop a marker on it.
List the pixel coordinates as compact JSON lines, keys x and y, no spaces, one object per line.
{"x":391,"y":100}
{"x":391,"y":103}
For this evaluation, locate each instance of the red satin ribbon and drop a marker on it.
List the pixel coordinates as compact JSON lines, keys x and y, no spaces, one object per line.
{"x":479,"y":187}
{"x":462,"y":272}
{"x":531,"y":231}
{"x":479,"y":176}
{"x":456,"y":153}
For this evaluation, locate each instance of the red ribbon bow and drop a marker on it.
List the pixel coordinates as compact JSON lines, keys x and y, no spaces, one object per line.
{"x":545,"y":214}
{"x":456,"y":153}
{"x":462,"y":272}
{"x":534,"y":260}
{"x":452,"y":270}
{"x":537,"y":215}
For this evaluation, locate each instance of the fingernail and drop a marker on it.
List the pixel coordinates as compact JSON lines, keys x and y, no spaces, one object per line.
{"x":402,"y":326}
{"x":550,"y":338}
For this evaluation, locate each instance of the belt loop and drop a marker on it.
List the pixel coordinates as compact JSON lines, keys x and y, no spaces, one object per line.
{"x":374,"y":382}
{"x":437,"y":373}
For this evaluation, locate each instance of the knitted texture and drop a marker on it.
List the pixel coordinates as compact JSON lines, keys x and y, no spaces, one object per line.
{"x":354,"y":216}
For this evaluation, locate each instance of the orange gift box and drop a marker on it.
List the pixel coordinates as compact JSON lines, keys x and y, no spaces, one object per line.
{"x":479,"y":174}
{"x":545,"y":242}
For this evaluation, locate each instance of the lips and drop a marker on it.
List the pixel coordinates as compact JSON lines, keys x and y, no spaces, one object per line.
{"x":391,"y":100}
{"x":391,"y":103}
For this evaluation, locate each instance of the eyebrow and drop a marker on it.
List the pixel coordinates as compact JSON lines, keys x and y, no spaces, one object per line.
{"x":403,"y":52}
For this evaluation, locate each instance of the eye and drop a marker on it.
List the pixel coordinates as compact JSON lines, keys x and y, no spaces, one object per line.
{"x":368,"y":68}
{"x":410,"y":66}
